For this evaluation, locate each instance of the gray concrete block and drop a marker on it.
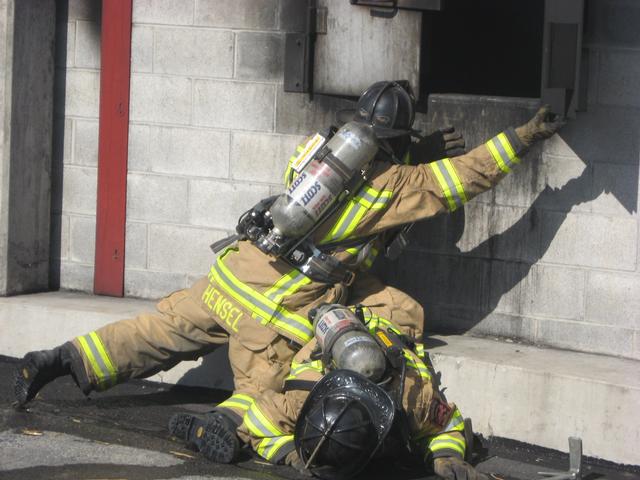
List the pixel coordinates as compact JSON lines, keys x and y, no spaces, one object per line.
{"x":261,"y":158}
{"x":79,"y":190}
{"x":65,"y":234}
{"x":219,"y":204}
{"x":563,"y":183}
{"x":150,"y":284}
{"x":141,"y":49}
{"x":513,"y":234}
{"x":558,"y":394}
{"x":193,"y":52}
{"x":75,"y":276}
{"x":521,"y":186}
{"x":636,"y":345}
{"x":509,"y":326}
{"x":617,"y":189}
{"x":555,"y":292}
{"x":442,"y":279}
{"x":68,"y":141}
{"x":85,"y":148}
{"x":586,"y":337}
{"x":613,"y":298}
{"x":82,"y":245}
{"x":233,"y":105}
{"x":135,"y":246}
{"x":297,"y":115}
{"x":87,"y":53}
{"x":156,"y":198}
{"x":245,"y":14}
{"x":618,"y":78}
{"x":613,"y":23}
{"x":605,"y":134}
{"x":179,"y":249}
{"x":160,"y":99}
{"x":509,"y":287}
{"x":259,"y":56}
{"x":85,"y":10}
{"x":177,"y":150}
{"x":589,"y":240}
{"x":82,"y":93}
{"x":167,"y":12}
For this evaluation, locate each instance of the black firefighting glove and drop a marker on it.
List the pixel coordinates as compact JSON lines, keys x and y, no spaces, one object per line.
{"x":542,"y":126}
{"x":454,"y":468}
{"x":443,"y":143}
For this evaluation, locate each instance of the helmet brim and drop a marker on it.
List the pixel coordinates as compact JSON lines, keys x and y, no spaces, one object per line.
{"x":347,"y":115}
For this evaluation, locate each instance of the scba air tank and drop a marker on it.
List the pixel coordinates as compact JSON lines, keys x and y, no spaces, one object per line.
{"x":346,"y":343}
{"x":323,"y":179}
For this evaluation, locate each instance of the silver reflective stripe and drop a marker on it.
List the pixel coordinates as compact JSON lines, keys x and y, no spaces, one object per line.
{"x":281,"y":290}
{"x":258,"y":424}
{"x":353,"y":211}
{"x":251,"y":299}
{"x":450,"y":183}
{"x":503,"y":153}
{"x":98,"y":358}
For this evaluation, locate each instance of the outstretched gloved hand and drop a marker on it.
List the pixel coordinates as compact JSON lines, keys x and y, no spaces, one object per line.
{"x":542,"y":126}
{"x":443,"y":143}
{"x":454,"y":468}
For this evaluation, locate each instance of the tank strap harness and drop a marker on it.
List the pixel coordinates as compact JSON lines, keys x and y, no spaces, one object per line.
{"x":332,"y":169}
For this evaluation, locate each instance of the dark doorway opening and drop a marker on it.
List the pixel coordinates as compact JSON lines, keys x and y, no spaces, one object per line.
{"x":492,"y":47}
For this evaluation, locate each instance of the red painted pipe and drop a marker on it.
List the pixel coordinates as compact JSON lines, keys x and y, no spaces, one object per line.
{"x":113,"y":139}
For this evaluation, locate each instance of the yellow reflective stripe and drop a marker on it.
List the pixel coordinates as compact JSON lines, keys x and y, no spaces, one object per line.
{"x":442,"y":442}
{"x":92,"y":361}
{"x":368,"y":198}
{"x":456,"y":423}
{"x":295,"y":373}
{"x":443,"y":185}
{"x":268,"y":448}
{"x":255,"y":302}
{"x":456,"y":179}
{"x":99,"y":359}
{"x":407,"y":158}
{"x":506,"y":144}
{"x":259,"y":424}
{"x":373,"y":254}
{"x":420,"y":349}
{"x":287,"y":285}
{"x":497,"y":157}
{"x":104,"y":355}
{"x":239,"y":401}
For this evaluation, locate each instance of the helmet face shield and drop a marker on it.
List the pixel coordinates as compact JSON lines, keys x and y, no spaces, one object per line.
{"x":342,"y":424}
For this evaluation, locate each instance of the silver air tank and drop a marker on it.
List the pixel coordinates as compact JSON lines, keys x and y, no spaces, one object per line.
{"x":346,"y":342}
{"x":323,"y":180}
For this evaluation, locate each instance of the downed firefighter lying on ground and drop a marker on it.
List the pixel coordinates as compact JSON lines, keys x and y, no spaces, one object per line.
{"x":261,"y":287}
{"x":360,"y":388}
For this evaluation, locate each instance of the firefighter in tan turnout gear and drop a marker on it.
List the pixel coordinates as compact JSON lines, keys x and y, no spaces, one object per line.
{"x":358,"y":389}
{"x":261,"y":287}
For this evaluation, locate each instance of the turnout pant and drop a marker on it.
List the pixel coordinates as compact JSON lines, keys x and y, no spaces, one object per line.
{"x":183,"y":328}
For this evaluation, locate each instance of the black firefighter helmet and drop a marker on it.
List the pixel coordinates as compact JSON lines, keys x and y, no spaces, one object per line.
{"x":389,"y":107}
{"x":342,"y":424}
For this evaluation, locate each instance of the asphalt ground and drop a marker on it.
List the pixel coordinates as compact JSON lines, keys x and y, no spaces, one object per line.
{"x":122,"y":434}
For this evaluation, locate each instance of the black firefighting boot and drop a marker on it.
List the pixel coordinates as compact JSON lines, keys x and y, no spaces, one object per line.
{"x":37,"y":369}
{"x":213,"y":435}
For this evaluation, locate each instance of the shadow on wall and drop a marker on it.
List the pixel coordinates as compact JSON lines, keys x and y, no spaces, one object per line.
{"x":91,"y":13}
{"x":461,"y":287}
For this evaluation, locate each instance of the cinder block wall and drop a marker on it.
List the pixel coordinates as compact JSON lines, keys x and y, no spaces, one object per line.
{"x":551,"y":256}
